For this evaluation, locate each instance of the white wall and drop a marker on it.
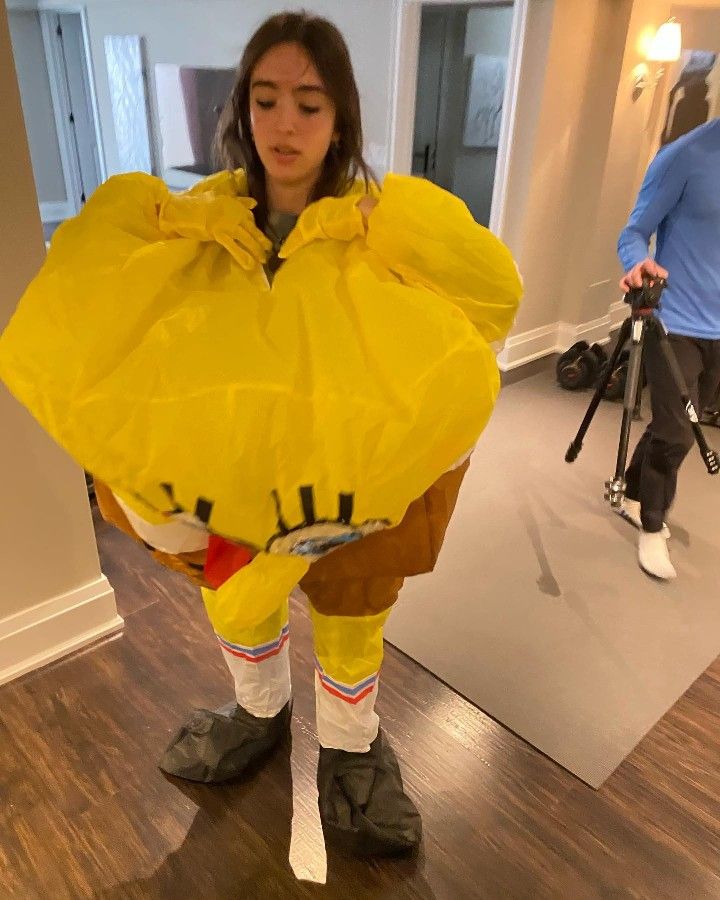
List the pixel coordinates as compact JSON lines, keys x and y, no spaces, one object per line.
{"x":577,"y":169}
{"x":34,"y":84}
{"x":522,"y":152}
{"x":592,"y":270}
{"x":700,"y":27}
{"x":631,"y":145}
{"x":556,"y":191}
{"x":53,"y":597}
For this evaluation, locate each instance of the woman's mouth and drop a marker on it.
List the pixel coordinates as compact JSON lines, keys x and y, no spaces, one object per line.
{"x":285,"y":155}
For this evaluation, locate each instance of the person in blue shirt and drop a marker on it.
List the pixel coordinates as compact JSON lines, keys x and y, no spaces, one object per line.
{"x":679,"y":202}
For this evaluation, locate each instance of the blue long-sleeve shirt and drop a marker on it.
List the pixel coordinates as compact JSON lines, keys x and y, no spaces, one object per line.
{"x":680,"y":201}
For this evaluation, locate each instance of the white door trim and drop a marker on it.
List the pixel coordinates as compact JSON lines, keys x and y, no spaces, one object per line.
{"x":100,"y":155}
{"x":402,"y":109}
{"x":60,"y":104}
{"x":61,"y":101}
{"x":507,"y":127}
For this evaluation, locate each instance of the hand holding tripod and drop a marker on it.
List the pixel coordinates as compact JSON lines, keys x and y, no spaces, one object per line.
{"x":643,"y":302}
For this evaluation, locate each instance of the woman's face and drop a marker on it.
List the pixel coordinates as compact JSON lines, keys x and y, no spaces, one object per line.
{"x":292,"y":116}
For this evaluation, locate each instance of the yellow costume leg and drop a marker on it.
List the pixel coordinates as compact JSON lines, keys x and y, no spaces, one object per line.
{"x":362,"y":801}
{"x":348,"y":656}
{"x":257,"y":656}
{"x":351,"y":592}
{"x":214,"y":746}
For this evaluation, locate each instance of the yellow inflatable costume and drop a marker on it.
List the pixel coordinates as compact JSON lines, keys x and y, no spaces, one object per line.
{"x":331,"y":409}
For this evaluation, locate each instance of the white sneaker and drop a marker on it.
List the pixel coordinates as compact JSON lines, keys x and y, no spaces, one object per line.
{"x":653,"y":555}
{"x":630,"y":511}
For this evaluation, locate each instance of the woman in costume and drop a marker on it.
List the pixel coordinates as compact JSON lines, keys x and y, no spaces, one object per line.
{"x":277,"y":378}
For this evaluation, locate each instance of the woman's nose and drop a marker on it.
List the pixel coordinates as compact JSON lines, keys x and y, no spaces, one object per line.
{"x":287,"y":118}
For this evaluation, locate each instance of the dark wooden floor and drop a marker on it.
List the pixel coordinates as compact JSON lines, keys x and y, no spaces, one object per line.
{"x":85,"y":813}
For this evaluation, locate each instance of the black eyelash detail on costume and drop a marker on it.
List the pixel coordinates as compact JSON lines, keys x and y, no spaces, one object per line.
{"x":307,"y":498}
{"x":168,"y":488}
{"x":282,"y":524}
{"x":347,"y":501}
{"x":203,"y":510}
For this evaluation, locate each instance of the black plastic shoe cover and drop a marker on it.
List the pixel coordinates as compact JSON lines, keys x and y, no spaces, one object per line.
{"x":215,"y":746}
{"x":363,"y":806}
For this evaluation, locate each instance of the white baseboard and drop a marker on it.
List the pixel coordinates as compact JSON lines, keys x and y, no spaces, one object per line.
{"x":526,"y":347}
{"x":56,"y":211}
{"x":596,"y":331}
{"x":52,"y":629}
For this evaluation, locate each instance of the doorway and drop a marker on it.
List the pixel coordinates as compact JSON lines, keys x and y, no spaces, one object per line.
{"x":58,"y":99}
{"x":460,"y":89}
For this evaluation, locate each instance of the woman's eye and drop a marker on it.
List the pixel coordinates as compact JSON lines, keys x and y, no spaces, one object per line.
{"x":265,"y":104}
{"x":309,"y":110}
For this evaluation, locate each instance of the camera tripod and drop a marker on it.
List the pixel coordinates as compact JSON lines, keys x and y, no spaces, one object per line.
{"x":643,"y":302}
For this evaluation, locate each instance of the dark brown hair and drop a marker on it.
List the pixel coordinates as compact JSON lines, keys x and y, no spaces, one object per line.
{"x":326,"y":47}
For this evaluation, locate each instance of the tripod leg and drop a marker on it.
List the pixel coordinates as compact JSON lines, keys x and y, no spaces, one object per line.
{"x":576,"y":446}
{"x":710,"y":456}
{"x":616,"y":488}
{"x":637,"y":412}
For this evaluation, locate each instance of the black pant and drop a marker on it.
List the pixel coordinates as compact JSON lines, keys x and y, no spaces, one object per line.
{"x":652,"y":474}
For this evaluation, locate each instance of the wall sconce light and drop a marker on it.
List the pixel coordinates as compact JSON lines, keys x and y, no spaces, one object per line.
{"x":666,"y":46}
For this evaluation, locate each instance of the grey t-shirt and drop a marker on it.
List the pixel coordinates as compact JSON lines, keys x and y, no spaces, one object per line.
{"x":279,"y":226}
